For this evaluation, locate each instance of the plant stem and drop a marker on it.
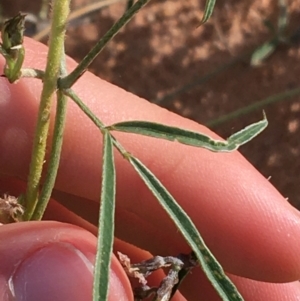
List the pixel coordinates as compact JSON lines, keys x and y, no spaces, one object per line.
{"x":84,"y":108}
{"x":95,"y":120}
{"x":31,"y":72}
{"x":69,"y":80}
{"x":255,"y":106}
{"x":60,"y":11}
{"x":54,"y":157}
{"x":77,"y":14}
{"x":59,"y":125}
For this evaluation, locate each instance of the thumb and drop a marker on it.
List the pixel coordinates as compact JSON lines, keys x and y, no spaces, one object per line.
{"x":52,"y":261}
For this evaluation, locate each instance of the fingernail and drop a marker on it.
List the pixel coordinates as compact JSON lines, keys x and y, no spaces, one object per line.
{"x":55,"y":272}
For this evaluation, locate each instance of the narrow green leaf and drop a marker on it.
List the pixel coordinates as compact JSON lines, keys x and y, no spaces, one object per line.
{"x":106,"y":223}
{"x":208,"y":10}
{"x":248,"y":133}
{"x":208,"y":262}
{"x":264,"y":51}
{"x":189,"y":137}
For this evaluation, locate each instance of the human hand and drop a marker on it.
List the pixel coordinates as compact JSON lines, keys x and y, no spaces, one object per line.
{"x":247,"y":224}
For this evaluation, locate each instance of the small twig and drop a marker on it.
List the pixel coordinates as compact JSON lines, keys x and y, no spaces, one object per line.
{"x":88,"y":112}
{"x":76,"y":14}
{"x":145,"y":268}
{"x":69,"y":80}
{"x":84,"y":108}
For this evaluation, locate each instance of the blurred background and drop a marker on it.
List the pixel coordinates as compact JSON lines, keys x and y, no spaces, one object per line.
{"x":203,"y":73}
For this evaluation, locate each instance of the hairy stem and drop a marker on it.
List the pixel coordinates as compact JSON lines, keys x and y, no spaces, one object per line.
{"x":59,"y":125}
{"x":85,"y":108}
{"x":87,"y":111}
{"x":60,"y":11}
{"x":69,"y":80}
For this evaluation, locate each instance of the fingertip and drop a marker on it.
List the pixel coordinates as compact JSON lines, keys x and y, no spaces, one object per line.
{"x":120,"y":288}
{"x":53,"y":261}
{"x":255,"y":290}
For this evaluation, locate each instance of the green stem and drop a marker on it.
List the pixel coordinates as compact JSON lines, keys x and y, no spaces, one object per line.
{"x":60,"y":11}
{"x":59,"y":125}
{"x":69,"y":80}
{"x":54,"y":159}
{"x":95,"y":120}
{"x":84,"y":108}
{"x":255,"y":106}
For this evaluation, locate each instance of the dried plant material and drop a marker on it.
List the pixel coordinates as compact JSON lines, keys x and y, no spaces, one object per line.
{"x":130,"y":271}
{"x":145,"y":268}
{"x":10,"y":210}
{"x":144,"y":292}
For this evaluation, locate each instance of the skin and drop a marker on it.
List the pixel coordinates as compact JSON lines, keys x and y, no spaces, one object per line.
{"x":247,"y":224}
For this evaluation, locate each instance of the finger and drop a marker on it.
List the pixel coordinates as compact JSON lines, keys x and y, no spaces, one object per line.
{"x":52,"y":261}
{"x":247,"y":224}
{"x":196,"y":286}
{"x":254,"y":290}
